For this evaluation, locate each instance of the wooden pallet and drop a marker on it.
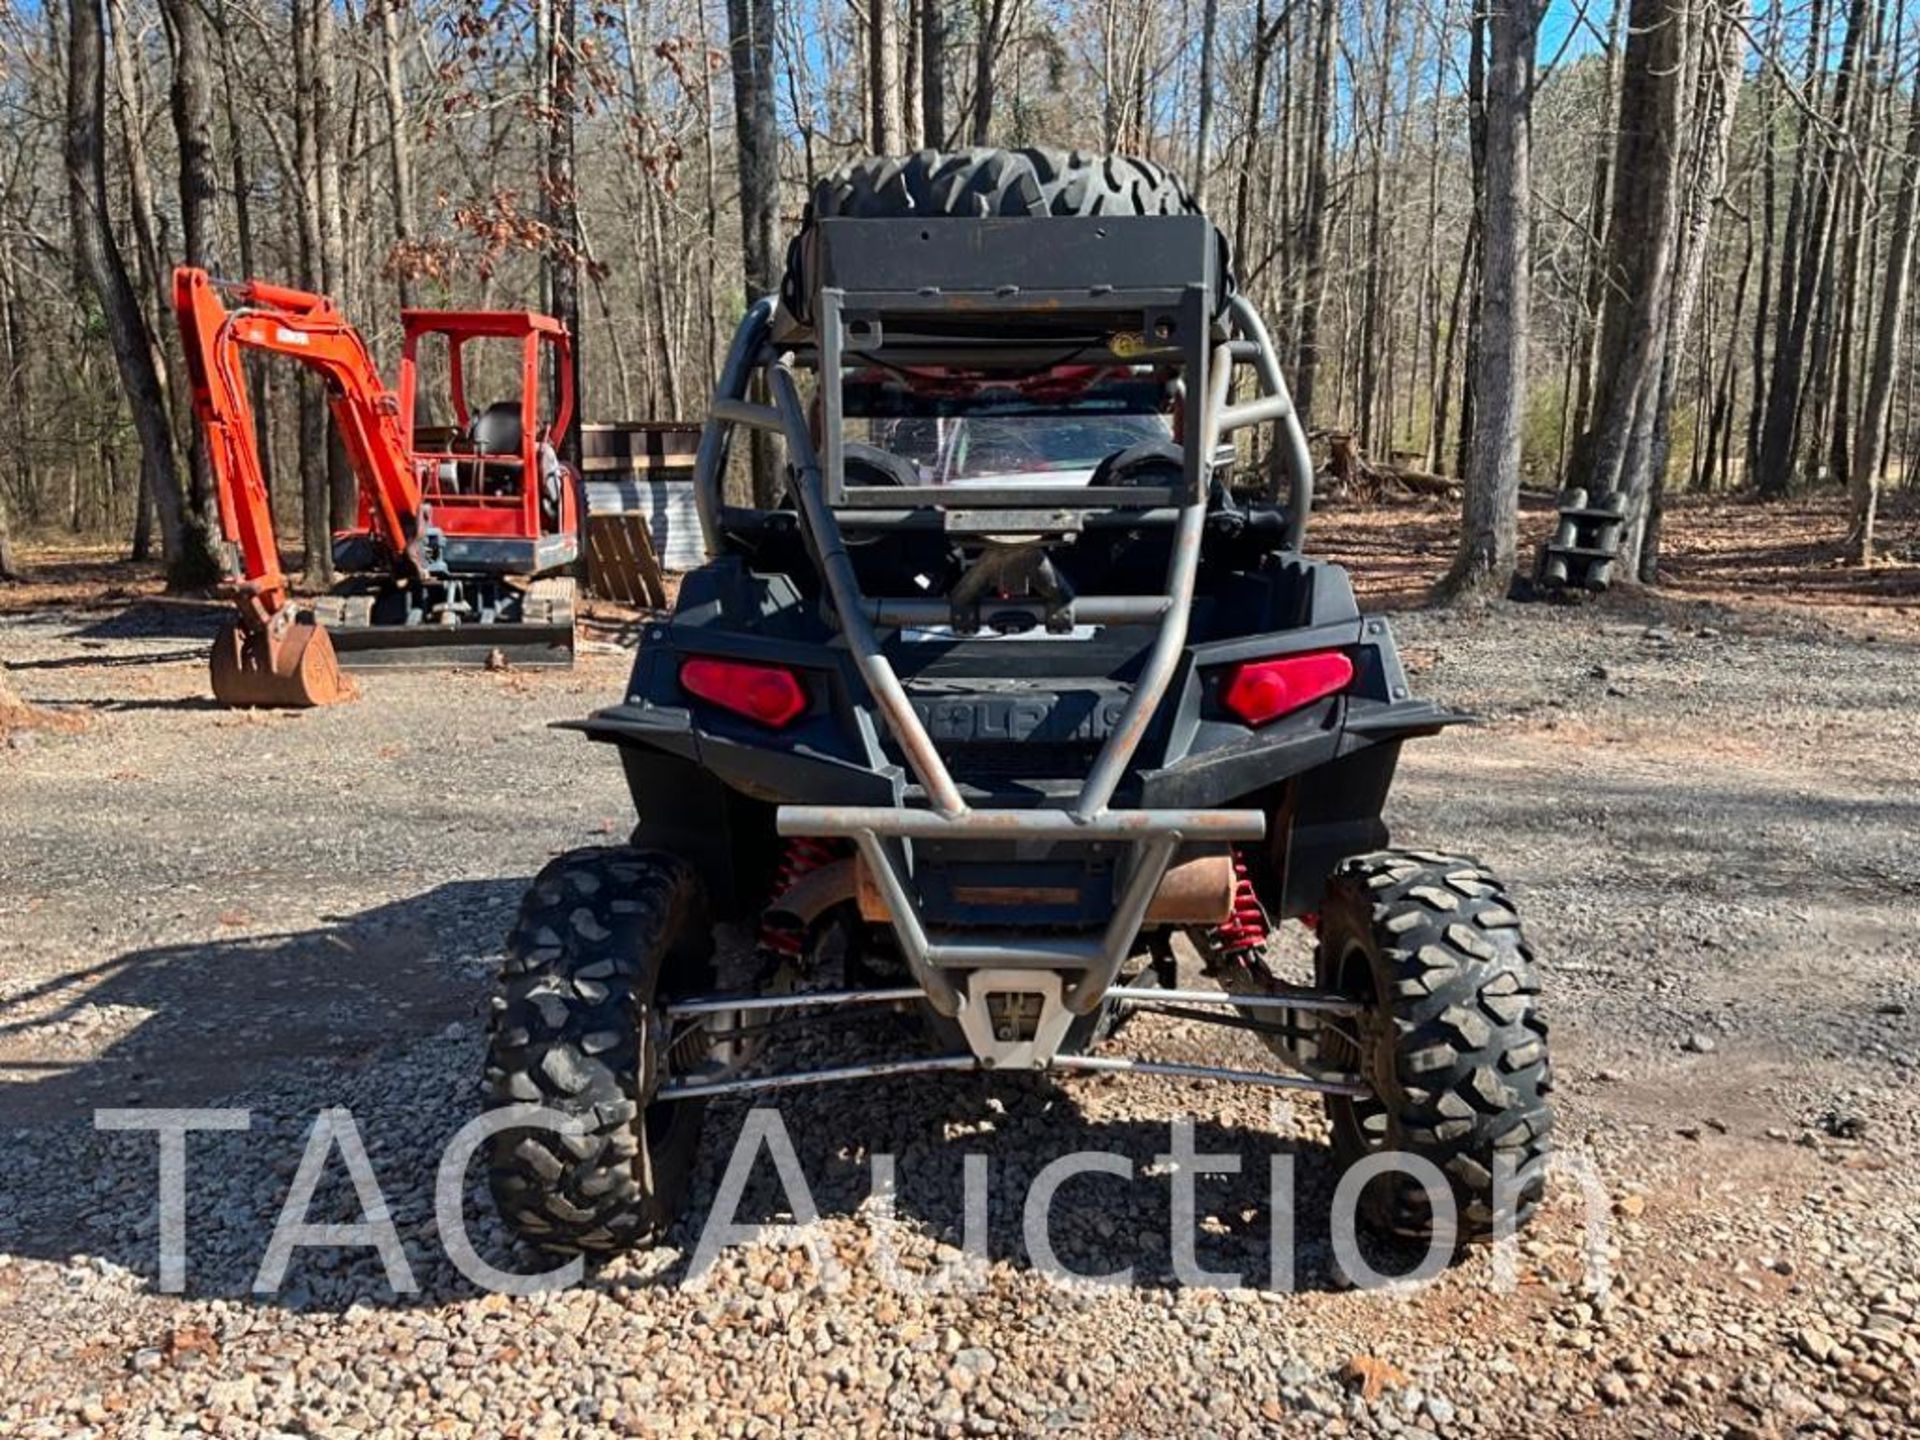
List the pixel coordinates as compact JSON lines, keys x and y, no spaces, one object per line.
{"x":621,"y":563}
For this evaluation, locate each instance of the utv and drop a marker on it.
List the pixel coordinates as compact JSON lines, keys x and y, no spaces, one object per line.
{"x":1011,"y":687}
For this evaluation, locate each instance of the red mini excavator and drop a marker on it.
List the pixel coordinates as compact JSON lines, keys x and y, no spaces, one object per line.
{"x":459,"y":550}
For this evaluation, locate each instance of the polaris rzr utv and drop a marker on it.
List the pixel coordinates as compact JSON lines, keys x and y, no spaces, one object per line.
{"x":1008,"y":690}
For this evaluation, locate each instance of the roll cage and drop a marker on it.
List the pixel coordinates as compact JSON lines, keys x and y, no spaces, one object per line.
{"x":1123,"y":292}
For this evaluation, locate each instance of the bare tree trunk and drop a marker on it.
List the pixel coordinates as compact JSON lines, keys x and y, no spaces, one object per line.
{"x":1264,"y":35}
{"x":1313,"y":214}
{"x":1203,"y":130}
{"x":1595,"y":295}
{"x":1831,"y":369}
{"x":1763,"y":304}
{"x":883,"y":78}
{"x":19,"y":393}
{"x":1615,"y":452}
{"x":101,"y":263}
{"x":1489,"y":523}
{"x":1457,"y":324}
{"x":662,"y":354}
{"x":912,"y":105}
{"x":1477,"y":173}
{"x":342,"y":489}
{"x":993,"y":19}
{"x":140,"y":546}
{"x":1719,"y":450}
{"x":191,"y":101}
{"x":562,"y":204}
{"x":1719,"y":68}
{"x":1869,"y":446}
{"x":751,"y":26}
{"x":259,"y":377}
{"x":1780,"y":432}
{"x":149,"y":262}
{"x":10,"y":568}
{"x":399,"y":141}
{"x":311,"y":434}
{"x":933,"y":72}
{"x":750,"y":29}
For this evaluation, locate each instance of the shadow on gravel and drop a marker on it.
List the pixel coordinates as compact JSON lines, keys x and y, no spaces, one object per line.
{"x":382,"y":1013}
{"x":159,"y":620}
{"x":188,"y":703}
{"x":199,"y":1024}
{"x":97,"y":660}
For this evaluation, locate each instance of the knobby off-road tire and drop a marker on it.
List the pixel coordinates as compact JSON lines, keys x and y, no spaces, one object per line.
{"x":973,"y":183}
{"x":1453,"y":1043}
{"x":602,"y":936}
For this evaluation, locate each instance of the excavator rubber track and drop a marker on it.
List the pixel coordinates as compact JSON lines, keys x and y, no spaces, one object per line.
{"x":541,"y":635}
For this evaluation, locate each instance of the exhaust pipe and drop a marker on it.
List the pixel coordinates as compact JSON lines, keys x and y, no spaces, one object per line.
{"x":1197,"y":890}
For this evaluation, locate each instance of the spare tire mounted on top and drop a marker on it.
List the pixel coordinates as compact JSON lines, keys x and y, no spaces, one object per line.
{"x":973,"y":184}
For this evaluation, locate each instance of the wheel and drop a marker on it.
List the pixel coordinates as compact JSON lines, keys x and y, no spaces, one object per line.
{"x":998,"y":182}
{"x":1451,"y":1041}
{"x":602,"y":936}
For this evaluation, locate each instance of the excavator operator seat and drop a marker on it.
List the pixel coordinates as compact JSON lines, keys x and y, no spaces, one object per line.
{"x":496,"y":429}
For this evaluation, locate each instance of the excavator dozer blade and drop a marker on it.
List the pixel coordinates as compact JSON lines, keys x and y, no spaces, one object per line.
{"x":289,"y":667}
{"x":539,"y":633}
{"x":444,"y":647}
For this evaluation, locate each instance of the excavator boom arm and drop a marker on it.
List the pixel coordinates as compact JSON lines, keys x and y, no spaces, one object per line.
{"x":307,"y":329}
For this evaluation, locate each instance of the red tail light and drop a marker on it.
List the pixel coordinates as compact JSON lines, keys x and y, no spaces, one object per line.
{"x":765,"y":693}
{"x":1263,"y":690}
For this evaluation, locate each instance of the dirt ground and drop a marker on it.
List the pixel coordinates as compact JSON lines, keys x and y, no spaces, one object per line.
{"x":1706,"y":804}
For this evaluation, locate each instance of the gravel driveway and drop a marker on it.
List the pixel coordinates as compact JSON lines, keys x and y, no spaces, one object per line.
{"x":1709,"y":822}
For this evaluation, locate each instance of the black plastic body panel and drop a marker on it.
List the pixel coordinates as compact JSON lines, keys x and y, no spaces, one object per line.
{"x":1017,"y":719}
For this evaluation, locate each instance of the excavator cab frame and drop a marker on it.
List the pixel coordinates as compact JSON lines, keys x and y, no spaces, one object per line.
{"x":491,"y":517}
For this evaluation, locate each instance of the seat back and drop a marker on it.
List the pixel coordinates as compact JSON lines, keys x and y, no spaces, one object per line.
{"x":496,"y":429}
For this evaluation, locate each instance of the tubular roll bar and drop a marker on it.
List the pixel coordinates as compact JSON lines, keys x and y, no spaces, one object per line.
{"x":1184,"y":320}
{"x":701,"y":1007}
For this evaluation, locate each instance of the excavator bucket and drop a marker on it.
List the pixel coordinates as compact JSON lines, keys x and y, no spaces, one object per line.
{"x":289,"y":665}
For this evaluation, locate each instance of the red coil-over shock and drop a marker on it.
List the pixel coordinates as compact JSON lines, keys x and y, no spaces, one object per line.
{"x":804,"y":855}
{"x":1243,"y":934}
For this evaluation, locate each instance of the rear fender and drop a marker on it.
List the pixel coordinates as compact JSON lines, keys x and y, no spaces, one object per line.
{"x":725,"y":835}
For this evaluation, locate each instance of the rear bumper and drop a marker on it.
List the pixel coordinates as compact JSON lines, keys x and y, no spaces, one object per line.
{"x":710,"y":785}
{"x":1198,"y":764}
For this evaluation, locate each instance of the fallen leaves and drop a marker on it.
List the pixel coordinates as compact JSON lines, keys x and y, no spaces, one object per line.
{"x":190,"y":1344}
{"x":1372,"y":1375}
